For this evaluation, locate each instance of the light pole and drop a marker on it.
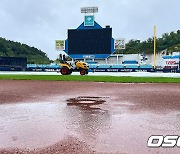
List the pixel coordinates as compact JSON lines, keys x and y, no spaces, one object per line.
{"x":154,"y":47}
{"x":179,"y":62}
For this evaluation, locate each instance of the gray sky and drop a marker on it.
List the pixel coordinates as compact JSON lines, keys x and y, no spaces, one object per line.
{"x":39,"y":23}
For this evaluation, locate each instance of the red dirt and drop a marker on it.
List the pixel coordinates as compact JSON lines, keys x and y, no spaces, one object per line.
{"x":122,"y":121}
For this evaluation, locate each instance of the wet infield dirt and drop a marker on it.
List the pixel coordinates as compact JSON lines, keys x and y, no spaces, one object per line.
{"x":86,"y":117}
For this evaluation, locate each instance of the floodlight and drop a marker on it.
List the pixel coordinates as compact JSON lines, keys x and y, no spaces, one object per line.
{"x":89,"y":9}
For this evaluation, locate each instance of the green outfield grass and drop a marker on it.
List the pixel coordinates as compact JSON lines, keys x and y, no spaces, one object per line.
{"x":92,"y":78}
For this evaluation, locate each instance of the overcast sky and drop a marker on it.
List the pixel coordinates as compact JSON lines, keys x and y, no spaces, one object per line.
{"x":39,"y":23}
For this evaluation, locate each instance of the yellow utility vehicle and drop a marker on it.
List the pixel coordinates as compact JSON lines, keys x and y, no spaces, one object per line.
{"x":80,"y":66}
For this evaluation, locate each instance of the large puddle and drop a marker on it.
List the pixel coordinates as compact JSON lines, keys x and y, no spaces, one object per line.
{"x":102,"y":124}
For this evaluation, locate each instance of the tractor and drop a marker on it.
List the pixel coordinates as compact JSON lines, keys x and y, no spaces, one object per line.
{"x":79,"y":66}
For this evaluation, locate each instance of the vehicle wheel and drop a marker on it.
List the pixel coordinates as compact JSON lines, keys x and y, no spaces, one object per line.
{"x":64,"y":71}
{"x":82,"y":72}
{"x":70,"y":72}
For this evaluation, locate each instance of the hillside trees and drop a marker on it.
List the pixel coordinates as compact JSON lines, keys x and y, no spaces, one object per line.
{"x":169,"y":41}
{"x":15,"y":49}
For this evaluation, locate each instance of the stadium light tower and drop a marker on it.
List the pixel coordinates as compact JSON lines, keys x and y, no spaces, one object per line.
{"x":89,"y":10}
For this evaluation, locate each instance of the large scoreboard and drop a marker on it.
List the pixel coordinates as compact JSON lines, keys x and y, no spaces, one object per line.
{"x":90,"y":41}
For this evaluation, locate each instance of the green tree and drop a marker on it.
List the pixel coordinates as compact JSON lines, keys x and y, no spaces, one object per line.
{"x":16,"y":49}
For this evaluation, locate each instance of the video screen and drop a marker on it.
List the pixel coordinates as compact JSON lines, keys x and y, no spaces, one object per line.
{"x":89,"y":41}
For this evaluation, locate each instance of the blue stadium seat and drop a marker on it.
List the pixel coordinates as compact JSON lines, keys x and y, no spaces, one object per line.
{"x":91,"y":62}
{"x":130,"y":62}
{"x":146,"y":66}
{"x":167,"y":57}
{"x":93,"y":66}
{"x":104,"y":66}
{"x":117,"y":66}
{"x":176,"y":56}
{"x":131,"y":66}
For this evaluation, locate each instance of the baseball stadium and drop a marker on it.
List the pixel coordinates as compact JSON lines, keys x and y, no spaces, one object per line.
{"x":92,"y":99}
